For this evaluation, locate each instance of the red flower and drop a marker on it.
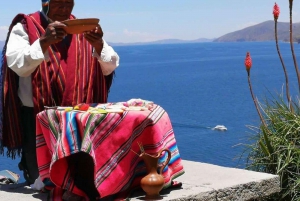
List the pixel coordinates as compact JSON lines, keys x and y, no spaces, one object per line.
{"x":248,"y":62}
{"x":276,"y":11}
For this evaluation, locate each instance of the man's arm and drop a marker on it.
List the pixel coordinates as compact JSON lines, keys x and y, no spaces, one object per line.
{"x":109,"y":59}
{"x":22,"y":57}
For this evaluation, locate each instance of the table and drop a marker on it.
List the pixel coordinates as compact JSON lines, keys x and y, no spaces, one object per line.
{"x":111,"y":139}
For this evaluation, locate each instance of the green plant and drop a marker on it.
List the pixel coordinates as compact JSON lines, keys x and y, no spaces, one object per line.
{"x":277,"y":139}
{"x":276,"y":149}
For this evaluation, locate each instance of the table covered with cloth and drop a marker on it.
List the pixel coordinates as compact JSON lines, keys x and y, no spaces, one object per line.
{"x":112,"y":140}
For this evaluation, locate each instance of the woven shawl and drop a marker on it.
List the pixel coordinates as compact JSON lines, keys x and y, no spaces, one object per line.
{"x":71,"y":76}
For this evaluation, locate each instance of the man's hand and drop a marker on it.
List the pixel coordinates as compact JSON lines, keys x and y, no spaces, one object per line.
{"x":54,"y":33}
{"x":94,"y":37}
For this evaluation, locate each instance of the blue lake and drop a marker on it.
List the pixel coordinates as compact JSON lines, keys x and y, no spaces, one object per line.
{"x":201,"y":85}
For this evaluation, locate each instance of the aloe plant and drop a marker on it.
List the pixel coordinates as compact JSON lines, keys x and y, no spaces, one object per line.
{"x":276,"y":147}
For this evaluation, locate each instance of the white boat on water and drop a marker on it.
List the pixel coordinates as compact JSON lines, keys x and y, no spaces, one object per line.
{"x":220,"y":128}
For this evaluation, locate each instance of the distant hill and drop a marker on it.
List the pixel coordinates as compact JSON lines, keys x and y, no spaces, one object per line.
{"x":262,"y":32}
{"x":166,"y":41}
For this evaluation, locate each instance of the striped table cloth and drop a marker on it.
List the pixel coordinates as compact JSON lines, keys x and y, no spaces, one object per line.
{"x":112,"y":140}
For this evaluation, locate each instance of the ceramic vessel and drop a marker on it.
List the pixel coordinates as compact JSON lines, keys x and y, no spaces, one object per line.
{"x":78,"y":26}
{"x":153,"y":182}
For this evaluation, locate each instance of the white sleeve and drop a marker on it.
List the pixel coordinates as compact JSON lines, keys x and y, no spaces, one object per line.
{"x":22,"y":57}
{"x":109,"y":59}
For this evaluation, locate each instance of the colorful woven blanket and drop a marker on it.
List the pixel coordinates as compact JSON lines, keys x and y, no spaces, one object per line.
{"x":112,"y":140}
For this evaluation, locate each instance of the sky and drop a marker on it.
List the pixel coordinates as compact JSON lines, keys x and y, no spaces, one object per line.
{"x":130,"y":21}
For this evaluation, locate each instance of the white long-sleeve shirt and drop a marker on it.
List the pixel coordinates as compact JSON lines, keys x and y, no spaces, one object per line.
{"x":24,"y":58}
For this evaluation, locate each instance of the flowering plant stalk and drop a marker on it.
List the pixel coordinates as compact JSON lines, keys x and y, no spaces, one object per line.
{"x":268,"y":149}
{"x":292,"y":42}
{"x":248,"y":65}
{"x":276,"y":12}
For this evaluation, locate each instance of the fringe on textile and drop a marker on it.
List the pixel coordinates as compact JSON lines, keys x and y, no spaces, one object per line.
{"x":13,"y":152}
{"x":1,"y":148}
{"x":1,"y":95}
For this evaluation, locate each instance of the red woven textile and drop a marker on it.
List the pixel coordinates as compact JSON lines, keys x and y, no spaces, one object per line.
{"x":111,"y":140}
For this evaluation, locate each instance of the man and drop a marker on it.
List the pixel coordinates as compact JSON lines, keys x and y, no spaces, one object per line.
{"x":45,"y":66}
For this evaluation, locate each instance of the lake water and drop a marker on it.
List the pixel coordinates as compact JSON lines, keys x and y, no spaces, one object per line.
{"x":201,"y":85}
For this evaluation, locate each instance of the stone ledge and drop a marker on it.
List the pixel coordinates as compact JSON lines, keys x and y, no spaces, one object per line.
{"x":207,"y":182}
{"x":201,"y":181}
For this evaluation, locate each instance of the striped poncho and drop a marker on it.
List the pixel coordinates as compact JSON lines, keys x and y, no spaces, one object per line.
{"x":71,"y":76}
